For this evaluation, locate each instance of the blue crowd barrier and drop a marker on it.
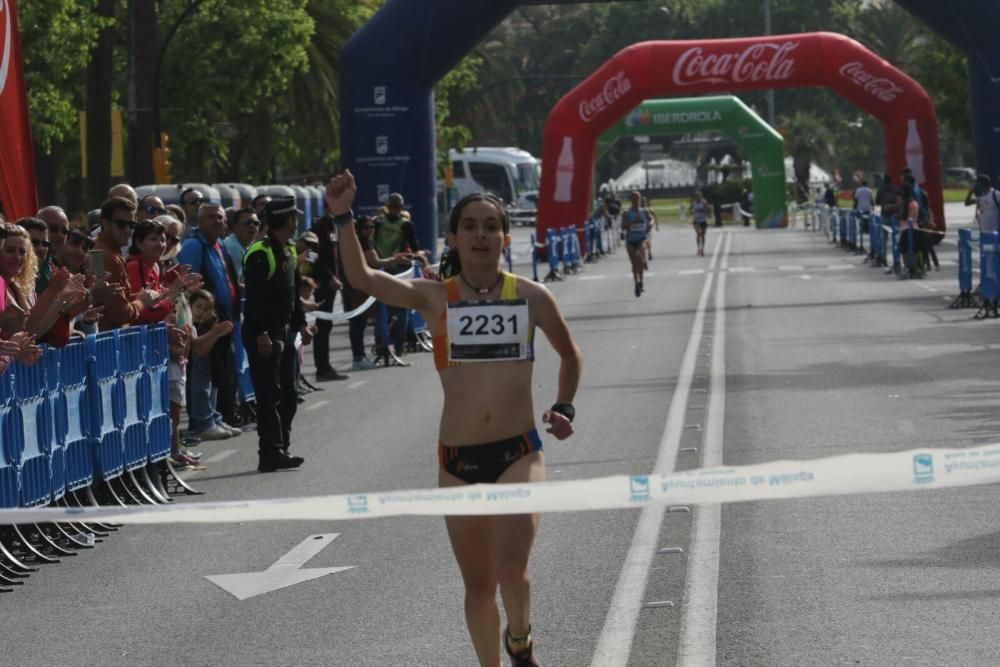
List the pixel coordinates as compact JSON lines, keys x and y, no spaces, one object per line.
{"x":989,"y":265}
{"x":134,"y":383}
{"x":57,"y":453}
{"x":106,"y":403}
{"x":32,"y":431}
{"x":159,"y":427}
{"x":9,"y":423}
{"x":843,"y":226}
{"x":554,"y":256}
{"x":965,"y":260}
{"x":73,"y":416}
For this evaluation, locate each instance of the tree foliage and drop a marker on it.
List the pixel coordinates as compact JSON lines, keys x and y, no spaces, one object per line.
{"x":56,"y":40}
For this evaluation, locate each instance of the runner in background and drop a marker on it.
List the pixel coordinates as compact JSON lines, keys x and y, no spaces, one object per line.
{"x":699,"y":218}
{"x":635,"y":229}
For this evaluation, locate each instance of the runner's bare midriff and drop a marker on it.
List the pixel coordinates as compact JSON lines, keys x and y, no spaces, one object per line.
{"x":485,"y":402}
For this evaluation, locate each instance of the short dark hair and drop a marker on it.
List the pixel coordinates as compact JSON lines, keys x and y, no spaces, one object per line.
{"x":142,"y":230}
{"x":32,"y":224}
{"x":984,"y":180}
{"x":188,"y":191}
{"x":239,"y":213}
{"x":116,"y":203}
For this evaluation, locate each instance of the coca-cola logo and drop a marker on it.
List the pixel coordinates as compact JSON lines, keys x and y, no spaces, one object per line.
{"x":761,"y":62}
{"x":614,"y":88}
{"x":5,"y":44}
{"x":879,"y":86}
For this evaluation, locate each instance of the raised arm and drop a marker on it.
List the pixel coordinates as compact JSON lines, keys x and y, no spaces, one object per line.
{"x":416,"y":294}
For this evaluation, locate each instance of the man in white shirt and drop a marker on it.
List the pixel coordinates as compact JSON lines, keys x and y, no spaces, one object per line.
{"x":864,"y":199}
{"x":987,"y":201}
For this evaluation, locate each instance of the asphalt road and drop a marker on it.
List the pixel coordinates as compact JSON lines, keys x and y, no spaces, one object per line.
{"x":775,"y":345}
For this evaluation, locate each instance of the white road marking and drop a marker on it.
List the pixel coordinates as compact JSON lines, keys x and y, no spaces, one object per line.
{"x":927,"y":287}
{"x":806,"y":276}
{"x":742,"y":269}
{"x":317,"y":405}
{"x":839,"y":267}
{"x":355,"y":385}
{"x":599,"y":276}
{"x":287,"y":571}
{"x":691,"y":272}
{"x":791,"y":268}
{"x":615,"y":642}
{"x":696,"y":644}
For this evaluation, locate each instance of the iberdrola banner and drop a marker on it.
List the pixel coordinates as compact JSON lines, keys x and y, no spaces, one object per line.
{"x":17,"y":164}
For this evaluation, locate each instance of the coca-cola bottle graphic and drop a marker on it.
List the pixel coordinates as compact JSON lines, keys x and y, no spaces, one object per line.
{"x":564,"y":172}
{"x":914,"y":150}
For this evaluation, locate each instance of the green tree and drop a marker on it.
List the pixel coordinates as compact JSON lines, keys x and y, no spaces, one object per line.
{"x":228,"y":69}
{"x":458,"y":82}
{"x":57,"y":37}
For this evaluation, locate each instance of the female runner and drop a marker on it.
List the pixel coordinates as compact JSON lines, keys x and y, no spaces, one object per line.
{"x":482,"y":320}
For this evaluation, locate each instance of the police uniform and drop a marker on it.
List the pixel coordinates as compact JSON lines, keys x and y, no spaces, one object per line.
{"x":273,"y":307}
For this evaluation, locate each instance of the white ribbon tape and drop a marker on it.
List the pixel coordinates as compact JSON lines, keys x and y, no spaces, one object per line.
{"x":340,"y":317}
{"x":913,"y":470}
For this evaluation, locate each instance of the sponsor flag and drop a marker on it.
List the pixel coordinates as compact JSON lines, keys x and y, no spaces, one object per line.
{"x":17,"y":164}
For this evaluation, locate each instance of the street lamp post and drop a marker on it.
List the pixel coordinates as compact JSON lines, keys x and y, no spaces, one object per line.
{"x":770,"y":91}
{"x":188,"y":11}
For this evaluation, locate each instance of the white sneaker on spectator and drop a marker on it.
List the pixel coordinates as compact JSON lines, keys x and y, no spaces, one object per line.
{"x":363,"y":364}
{"x":215,"y":432}
{"x":232,"y":429}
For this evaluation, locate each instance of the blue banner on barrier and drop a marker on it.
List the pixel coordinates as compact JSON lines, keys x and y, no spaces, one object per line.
{"x":989,"y":265}
{"x":965,"y":260}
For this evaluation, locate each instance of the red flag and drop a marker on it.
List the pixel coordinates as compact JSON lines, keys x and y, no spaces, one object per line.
{"x":17,"y":164}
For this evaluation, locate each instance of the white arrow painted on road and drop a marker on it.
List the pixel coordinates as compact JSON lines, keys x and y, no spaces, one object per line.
{"x":286,"y":572}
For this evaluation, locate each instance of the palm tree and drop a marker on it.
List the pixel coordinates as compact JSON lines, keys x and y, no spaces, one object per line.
{"x":890,"y":31}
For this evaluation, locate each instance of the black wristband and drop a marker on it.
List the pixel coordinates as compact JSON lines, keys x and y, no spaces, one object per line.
{"x":565,"y":409}
{"x":343,"y":218}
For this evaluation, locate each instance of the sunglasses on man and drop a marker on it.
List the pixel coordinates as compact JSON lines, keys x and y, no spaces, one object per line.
{"x":124,"y":222}
{"x":196,"y":202}
{"x":76,"y":238}
{"x":156,"y":210}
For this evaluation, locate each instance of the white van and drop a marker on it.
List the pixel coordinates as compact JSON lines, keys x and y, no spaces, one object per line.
{"x":509,"y":173}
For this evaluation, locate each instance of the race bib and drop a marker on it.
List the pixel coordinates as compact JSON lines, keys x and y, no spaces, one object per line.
{"x":488,"y":330}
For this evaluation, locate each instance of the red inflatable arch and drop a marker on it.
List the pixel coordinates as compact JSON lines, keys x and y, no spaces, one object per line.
{"x":656,"y":69}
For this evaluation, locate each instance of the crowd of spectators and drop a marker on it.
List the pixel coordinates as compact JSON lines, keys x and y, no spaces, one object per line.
{"x":137,"y":261}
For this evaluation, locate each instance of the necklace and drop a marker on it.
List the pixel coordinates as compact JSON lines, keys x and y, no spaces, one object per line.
{"x":481,"y":290}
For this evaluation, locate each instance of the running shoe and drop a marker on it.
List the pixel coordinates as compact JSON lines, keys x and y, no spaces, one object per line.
{"x":215,"y":432}
{"x":523,"y":658}
{"x":233,"y":430}
{"x":191,"y":455}
{"x":189,"y":462}
{"x":363,"y":364}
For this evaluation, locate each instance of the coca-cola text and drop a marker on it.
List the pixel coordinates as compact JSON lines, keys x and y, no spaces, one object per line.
{"x":879,"y":86}
{"x":613,"y":90}
{"x":765,"y":62}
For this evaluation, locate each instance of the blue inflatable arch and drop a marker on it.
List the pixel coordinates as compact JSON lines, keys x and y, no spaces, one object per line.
{"x":389,"y":68}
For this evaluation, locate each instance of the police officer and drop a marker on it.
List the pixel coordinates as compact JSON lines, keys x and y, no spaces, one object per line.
{"x":272,"y":317}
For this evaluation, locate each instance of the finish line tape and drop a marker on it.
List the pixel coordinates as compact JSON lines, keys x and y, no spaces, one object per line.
{"x":919,"y":469}
{"x":340,"y":317}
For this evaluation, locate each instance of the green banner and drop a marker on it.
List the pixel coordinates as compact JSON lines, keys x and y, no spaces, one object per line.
{"x":726,"y":114}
